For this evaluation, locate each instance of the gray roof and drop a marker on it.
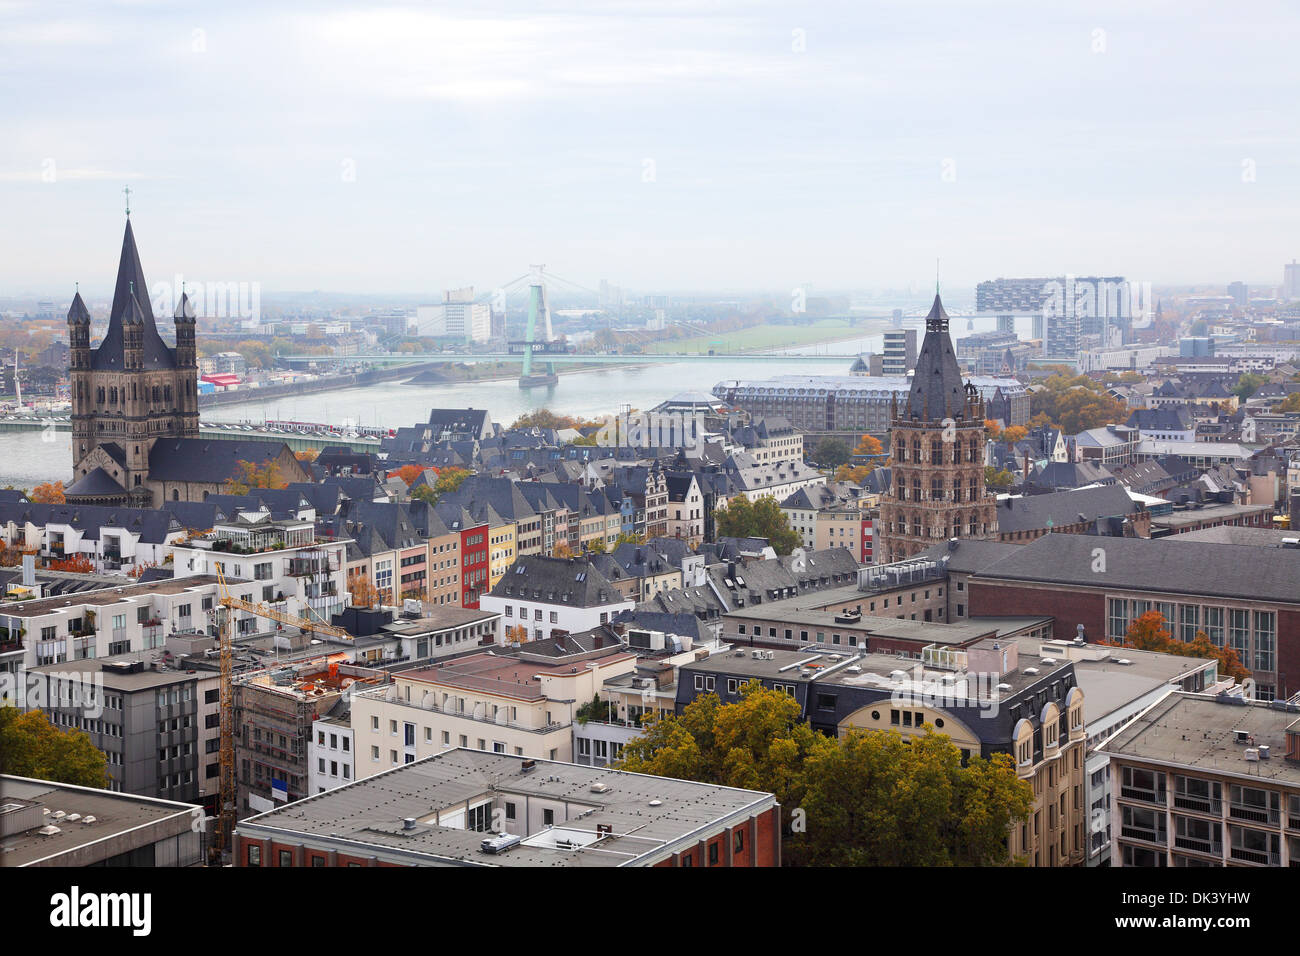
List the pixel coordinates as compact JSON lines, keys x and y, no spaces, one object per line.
{"x":131,"y":303}
{"x":937,"y":390}
{"x":205,"y":460}
{"x":1200,"y":732}
{"x":574,"y":582}
{"x":1152,"y":565}
{"x":1061,"y":508}
{"x":649,"y":817}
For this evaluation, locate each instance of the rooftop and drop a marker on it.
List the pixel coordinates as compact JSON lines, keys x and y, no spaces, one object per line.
{"x":89,"y":816}
{"x":648,"y":817}
{"x":104,"y":596}
{"x":1212,"y":734}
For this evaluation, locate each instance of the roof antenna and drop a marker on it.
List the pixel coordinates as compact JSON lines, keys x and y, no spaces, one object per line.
{"x":936,"y":275}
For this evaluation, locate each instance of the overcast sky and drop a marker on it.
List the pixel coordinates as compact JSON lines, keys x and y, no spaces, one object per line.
{"x":692,"y":145}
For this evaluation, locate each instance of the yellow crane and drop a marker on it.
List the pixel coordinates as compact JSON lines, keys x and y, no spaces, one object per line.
{"x":229,"y":603}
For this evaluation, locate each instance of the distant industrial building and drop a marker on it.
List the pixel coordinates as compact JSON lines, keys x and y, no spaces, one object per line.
{"x":458,"y":317}
{"x":854,"y":403}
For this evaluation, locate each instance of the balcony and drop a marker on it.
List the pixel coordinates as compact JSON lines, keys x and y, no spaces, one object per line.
{"x":1254,"y":814}
{"x":1211,"y":847}
{"x":1145,"y":796}
{"x":1257,"y":857}
{"x":1131,"y":832}
{"x":1184,"y":801}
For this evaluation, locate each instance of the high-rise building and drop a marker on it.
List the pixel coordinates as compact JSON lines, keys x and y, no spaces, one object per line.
{"x":458,"y":317}
{"x":1291,"y":280}
{"x":1068,"y":312}
{"x":1239,"y":292}
{"x":937,"y":489}
{"x":899,"y":354}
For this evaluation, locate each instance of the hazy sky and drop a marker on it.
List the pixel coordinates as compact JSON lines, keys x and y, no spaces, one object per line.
{"x":689,"y":145}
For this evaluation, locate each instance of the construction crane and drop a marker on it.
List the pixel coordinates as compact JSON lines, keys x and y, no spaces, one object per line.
{"x":229,"y":604}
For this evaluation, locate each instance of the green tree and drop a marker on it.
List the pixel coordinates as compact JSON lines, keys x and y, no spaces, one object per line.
{"x":30,"y":746}
{"x":1247,"y":385}
{"x":831,"y":453}
{"x":1289,"y":404}
{"x":998,"y":478}
{"x":742,"y":518}
{"x":758,"y":743}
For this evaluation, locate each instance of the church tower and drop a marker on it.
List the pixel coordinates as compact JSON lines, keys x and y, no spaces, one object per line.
{"x":130,"y":391}
{"x":936,"y":444}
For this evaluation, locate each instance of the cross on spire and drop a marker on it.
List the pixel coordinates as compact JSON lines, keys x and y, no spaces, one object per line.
{"x":127,"y":192}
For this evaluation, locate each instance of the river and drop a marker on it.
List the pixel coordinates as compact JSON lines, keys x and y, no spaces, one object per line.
{"x":27,"y":459}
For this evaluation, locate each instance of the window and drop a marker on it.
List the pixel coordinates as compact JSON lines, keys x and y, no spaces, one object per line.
{"x":548,"y":818}
{"x":713,"y":853}
{"x":254,"y":855}
{"x":286,"y":858}
{"x":739,"y":840}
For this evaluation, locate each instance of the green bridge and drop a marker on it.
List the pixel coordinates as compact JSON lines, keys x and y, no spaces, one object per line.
{"x":295,"y":441}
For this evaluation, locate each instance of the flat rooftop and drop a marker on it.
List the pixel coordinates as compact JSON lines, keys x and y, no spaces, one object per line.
{"x":1109,"y":685}
{"x":444,"y":619}
{"x":1238,"y":535}
{"x":924,"y":632}
{"x":646,"y":815}
{"x":1200,"y":732}
{"x":505,"y":674}
{"x":1210,"y":512}
{"x":116,"y":678}
{"x":114,"y":815}
{"x":104,"y":596}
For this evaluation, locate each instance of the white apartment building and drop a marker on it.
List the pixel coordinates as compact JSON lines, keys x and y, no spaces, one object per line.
{"x":331,"y":754}
{"x":522,"y":703}
{"x":276,"y":562}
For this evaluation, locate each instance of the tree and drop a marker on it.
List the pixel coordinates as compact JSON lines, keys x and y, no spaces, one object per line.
{"x":544,"y":418}
{"x":759,"y":743}
{"x":742,"y":518}
{"x":1075,"y":403}
{"x":992,"y":428}
{"x":871,"y":798}
{"x":248,"y":476}
{"x":517,"y":634}
{"x":307,"y":455}
{"x":75,"y":564}
{"x":998,"y":478}
{"x":1148,"y":633}
{"x":364,"y":593}
{"x":870,"y":446}
{"x":408,"y":473}
{"x":856,"y":474}
{"x":426,"y":494}
{"x":831,"y":453}
{"x":30,"y":746}
{"x":1247,"y":385}
{"x":561,"y":550}
{"x":49,"y":493}
{"x":1015,"y":433}
{"x":449,"y":479}
{"x":1289,"y":404}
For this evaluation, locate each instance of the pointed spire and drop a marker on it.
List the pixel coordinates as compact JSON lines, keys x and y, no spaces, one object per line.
{"x":77,"y":312}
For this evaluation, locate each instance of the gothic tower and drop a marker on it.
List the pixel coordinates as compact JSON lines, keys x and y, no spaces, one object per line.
{"x":130,"y":391}
{"x":936,"y":443}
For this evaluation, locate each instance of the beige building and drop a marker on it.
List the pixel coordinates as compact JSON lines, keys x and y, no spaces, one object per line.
{"x":1207,"y":781}
{"x":521,"y":703}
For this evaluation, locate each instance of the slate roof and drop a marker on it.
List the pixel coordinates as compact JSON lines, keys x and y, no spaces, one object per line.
{"x":205,"y":460}
{"x":573,"y":582}
{"x":1061,"y":508}
{"x":937,"y":390}
{"x":96,"y":482}
{"x":131,"y":303}
{"x":1196,"y":568}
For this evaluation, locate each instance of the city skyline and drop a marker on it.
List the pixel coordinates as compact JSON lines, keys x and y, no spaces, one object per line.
{"x":394,"y":150}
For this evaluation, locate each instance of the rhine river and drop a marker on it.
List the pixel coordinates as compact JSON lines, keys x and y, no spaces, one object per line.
{"x":26,"y":459}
